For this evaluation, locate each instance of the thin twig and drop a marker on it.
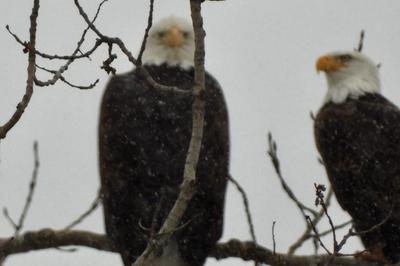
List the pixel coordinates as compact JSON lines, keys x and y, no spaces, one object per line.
{"x":18,"y":226}
{"x":361,"y":41}
{"x":40,"y":83}
{"x":319,"y":192}
{"x":32,"y":186}
{"x":337,"y":227}
{"x":317,"y":235}
{"x":65,"y":57}
{"x":246,"y":207}
{"x":272,"y":152}
{"x":58,"y":74}
{"x":84,"y":215}
{"x":128,"y":54}
{"x":31,"y":74}
{"x":9,"y":219}
{"x":351,"y":232}
{"x":273,"y":237}
{"x":161,"y":87}
{"x":105,"y":38}
{"x":55,"y":56}
{"x":247,"y":210}
{"x":146,"y":32}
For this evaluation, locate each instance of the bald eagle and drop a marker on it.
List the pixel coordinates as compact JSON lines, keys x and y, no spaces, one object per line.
{"x":144,"y":135}
{"x":357,"y":132}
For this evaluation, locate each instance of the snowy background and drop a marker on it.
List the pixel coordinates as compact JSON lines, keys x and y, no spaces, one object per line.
{"x":261,"y":51}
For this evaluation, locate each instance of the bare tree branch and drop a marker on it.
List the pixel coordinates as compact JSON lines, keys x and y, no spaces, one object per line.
{"x":117,"y":41}
{"x":146,"y":32}
{"x":188,"y":186}
{"x":317,"y":235}
{"x":272,"y":152}
{"x":55,"y":56}
{"x":58,"y":74}
{"x":337,"y":227}
{"x":246,"y":207}
{"x":32,"y":186}
{"x":30,"y":48}
{"x":84,"y":215}
{"x":273,"y":237}
{"x":47,"y":238}
{"x":40,"y":83}
{"x":9,"y":219}
{"x":319,"y":192}
{"x":361,"y":41}
{"x":351,"y":232}
{"x":307,"y":233}
{"x":248,"y":213}
{"x":31,"y":74}
{"x":248,"y":251}
{"x":18,"y":226}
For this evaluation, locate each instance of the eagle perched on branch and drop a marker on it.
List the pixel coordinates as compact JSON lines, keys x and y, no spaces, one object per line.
{"x":144,"y":136}
{"x":357,"y":132}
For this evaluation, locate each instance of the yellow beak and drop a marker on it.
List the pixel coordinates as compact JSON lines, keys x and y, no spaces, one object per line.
{"x":328,"y":63}
{"x":173,"y":38}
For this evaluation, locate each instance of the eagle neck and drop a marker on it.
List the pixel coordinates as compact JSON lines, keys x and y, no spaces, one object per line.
{"x":353,"y":87}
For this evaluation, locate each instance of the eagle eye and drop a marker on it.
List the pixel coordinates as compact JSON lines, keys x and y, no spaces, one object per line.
{"x":185,"y":34}
{"x":161,"y":34}
{"x":345,"y":58}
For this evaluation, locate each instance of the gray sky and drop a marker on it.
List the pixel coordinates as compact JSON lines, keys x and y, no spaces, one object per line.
{"x":261,"y":51}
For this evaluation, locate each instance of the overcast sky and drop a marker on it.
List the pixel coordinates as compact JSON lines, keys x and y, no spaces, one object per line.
{"x":261,"y":51}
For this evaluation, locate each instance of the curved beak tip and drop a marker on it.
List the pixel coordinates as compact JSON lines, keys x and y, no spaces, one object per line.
{"x":328,"y":64}
{"x":321,"y":63}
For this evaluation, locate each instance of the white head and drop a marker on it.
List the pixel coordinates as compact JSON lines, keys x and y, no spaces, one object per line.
{"x":171,"y":42}
{"x":349,"y":74}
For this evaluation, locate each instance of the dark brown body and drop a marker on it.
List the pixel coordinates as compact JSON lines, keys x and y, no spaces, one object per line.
{"x":144,"y":136}
{"x":359,"y":141}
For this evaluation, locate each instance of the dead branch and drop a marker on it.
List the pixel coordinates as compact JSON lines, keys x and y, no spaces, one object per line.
{"x":248,"y":213}
{"x":32,"y":186}
{"x":246,"y":207}
{"x":248,"y":251}
{"x":55,"y":56}
{"x":31,"y":74}
{"x":273,"y":237}
{"x":317,"y":235}
{"x":84,"y":215}
{"x":117,"y":41}
{"x":272,"y":152}
{"x":47,"y":238}
{"x":319,"y":192}
{"x":337,"y":227}
{"x":146,"y":32}
{"x":361,"y":41}
{"x":40,"y":83}
{"x":188,"y":186}
{"x":64,"y":57}
{"x":307,"y":233}
{"x":30,"y":48}
{"x":58,"y":74}
{"x":352,"y":233}
{"x":9,"y":219}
